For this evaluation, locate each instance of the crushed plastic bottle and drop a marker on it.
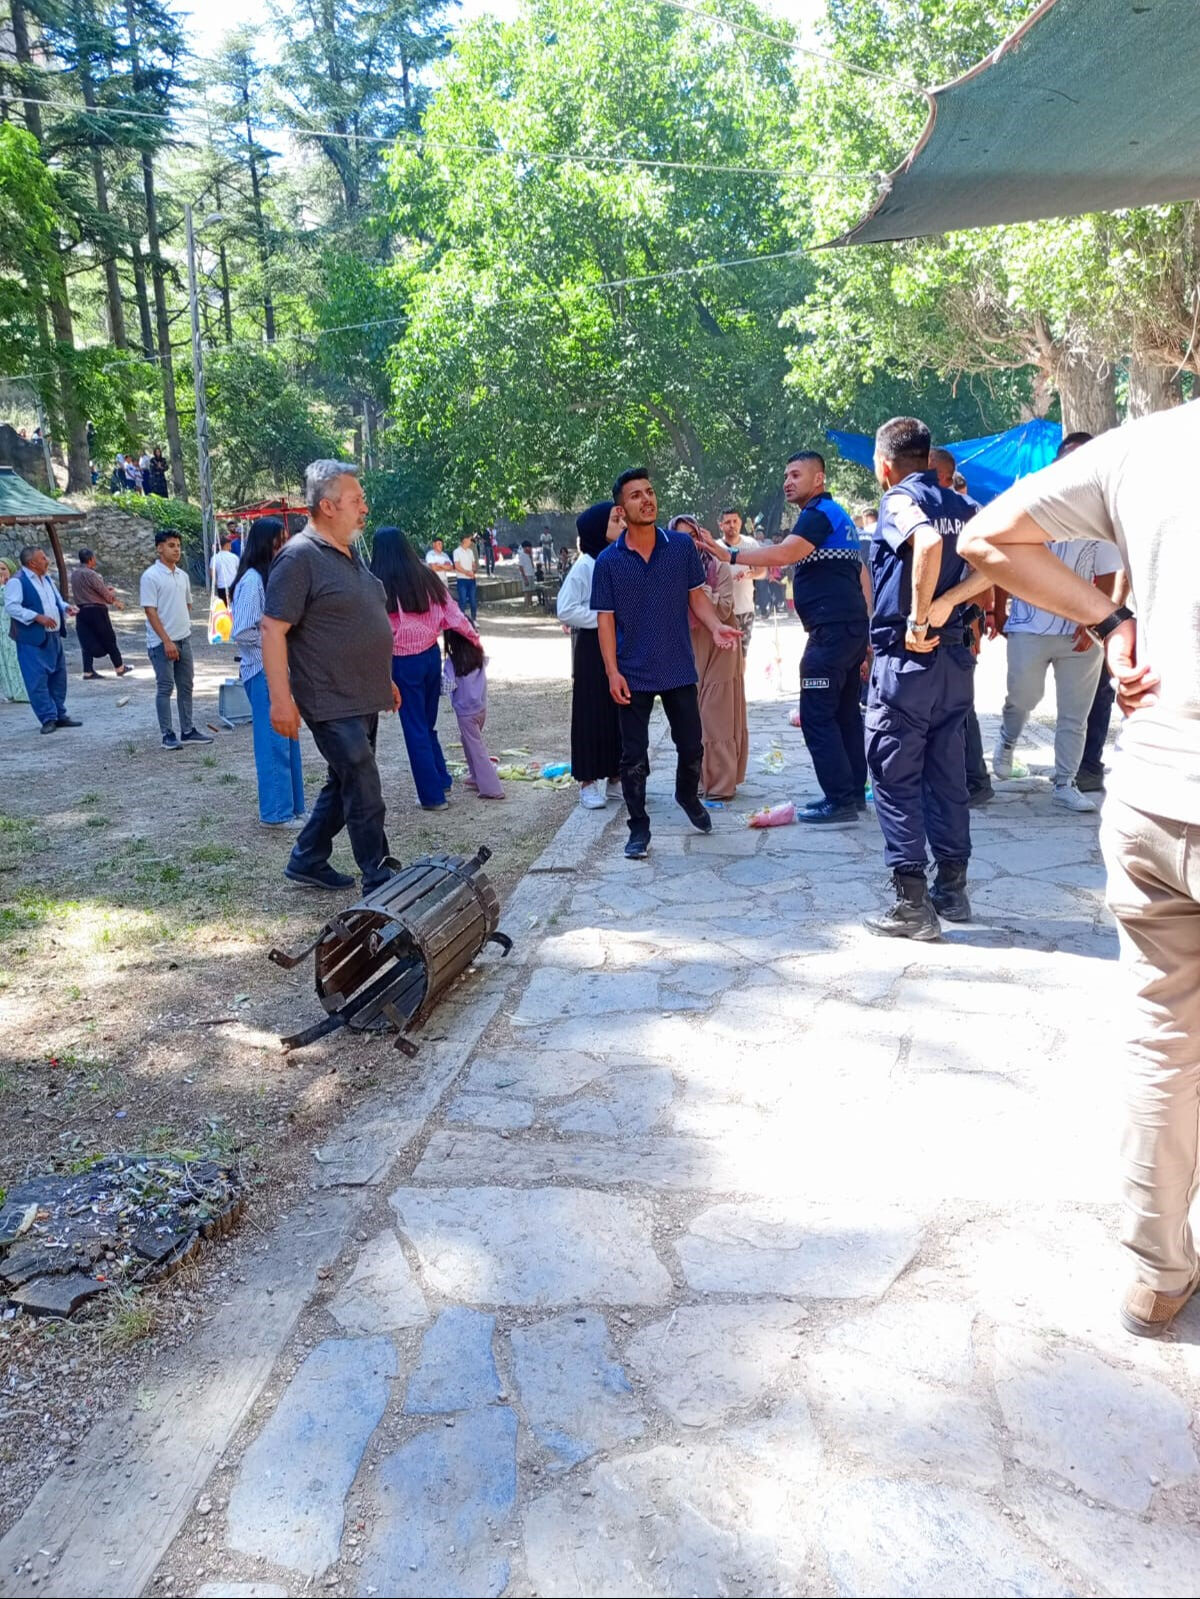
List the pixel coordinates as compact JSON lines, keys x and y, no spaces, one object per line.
{"x":774,"y":816}
{"x":556,"y":769}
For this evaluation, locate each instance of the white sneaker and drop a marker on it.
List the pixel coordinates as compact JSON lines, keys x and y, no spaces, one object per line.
{"x":1069,"y":797}
{"x":591,"y":796}
{"x":1002,"y":759}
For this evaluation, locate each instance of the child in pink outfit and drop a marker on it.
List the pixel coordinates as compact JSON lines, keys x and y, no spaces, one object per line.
{"x":466,"y":683}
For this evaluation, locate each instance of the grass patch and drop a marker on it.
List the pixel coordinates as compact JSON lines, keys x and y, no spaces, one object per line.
{"x":209,"y":760}
{"x":213,"y":854}
{"x":133,"y":1316}
{"x":97,"y":821}
{"x":15,"y":827}
{"x":90,"y":798}
{"x":229,"y":777}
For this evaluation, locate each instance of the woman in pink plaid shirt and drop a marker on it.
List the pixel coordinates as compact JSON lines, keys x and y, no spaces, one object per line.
{"x":419,"y":608}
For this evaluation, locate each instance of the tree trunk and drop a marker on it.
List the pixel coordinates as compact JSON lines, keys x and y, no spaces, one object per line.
{"x":79,"y":475}
{"x":143,"y":299}
{"x":158,"y":276}
{"x":79,"y":471}
{"x":1087,"y":388}
{"x":112,"y":281}
{"x":259,"y":225}
{"x":1151,"y":387}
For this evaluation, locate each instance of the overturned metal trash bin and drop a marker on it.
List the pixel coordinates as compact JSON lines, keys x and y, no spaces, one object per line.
{"x":388,"y":959}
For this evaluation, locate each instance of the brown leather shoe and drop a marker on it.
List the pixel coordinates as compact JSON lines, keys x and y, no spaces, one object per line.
{"x":1147,"y":1314}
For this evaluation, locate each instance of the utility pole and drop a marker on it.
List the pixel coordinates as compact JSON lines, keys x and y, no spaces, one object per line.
{"x":207,"y":516}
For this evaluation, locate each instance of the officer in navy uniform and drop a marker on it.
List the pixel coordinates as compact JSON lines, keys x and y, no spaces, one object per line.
{"x":921,"y":684}
{"x":828,"y":587}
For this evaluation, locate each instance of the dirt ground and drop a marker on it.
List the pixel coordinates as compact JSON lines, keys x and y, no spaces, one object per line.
{"x":139,"y":896}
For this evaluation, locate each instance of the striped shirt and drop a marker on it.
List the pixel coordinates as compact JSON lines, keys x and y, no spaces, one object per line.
{"x":649,"y":602}
{"x":249,"y":602}
{"x":416,"y":631}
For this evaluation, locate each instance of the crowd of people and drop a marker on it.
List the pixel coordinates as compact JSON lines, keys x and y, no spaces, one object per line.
{"x":886,"y":697}
{"x":141,"y":474}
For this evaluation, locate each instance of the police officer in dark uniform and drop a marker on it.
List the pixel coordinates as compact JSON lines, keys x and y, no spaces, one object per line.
{"x":828,"y":590}
{"x":921,"y":684}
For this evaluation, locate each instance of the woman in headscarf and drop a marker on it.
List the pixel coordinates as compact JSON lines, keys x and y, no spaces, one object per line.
{"x":595,"y":731}
{"x":722,"y":684}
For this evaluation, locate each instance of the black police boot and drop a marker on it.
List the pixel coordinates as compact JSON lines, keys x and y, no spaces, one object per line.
{"x":825,"y":811}
{"x":949,"y":892}
{"x":912,"y":916}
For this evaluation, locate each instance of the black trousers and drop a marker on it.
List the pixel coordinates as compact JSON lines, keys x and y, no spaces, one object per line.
{"x":830,"y":683}
{"x":351,"y":798}
{"x":1099,"y":717}
{"x":94,"y":629}
{"x":682,"y":706}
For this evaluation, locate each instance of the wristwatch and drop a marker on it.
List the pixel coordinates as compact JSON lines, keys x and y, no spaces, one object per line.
{"x":1111,"y":622}
{"x":917,"y":627}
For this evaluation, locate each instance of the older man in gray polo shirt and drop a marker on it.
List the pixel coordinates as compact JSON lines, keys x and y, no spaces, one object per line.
{"x":327,"y":654}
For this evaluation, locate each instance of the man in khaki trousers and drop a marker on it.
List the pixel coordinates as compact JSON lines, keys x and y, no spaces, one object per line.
{"x":1132,"y":488}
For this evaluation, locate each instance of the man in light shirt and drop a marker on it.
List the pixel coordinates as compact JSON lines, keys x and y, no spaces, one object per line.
{"x":224,"y":568}
{"x":464,"y":566}
{"x":1130,"y":488}
{"x":439,"y":560}
{"x":1038,"y":639}
{"x":166,"y":598}
{"x":730,"y":523}
{"x":37,"y":616}
{"x":526,"y":568}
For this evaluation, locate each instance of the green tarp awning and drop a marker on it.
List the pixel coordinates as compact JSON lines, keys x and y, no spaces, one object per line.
{"x":1092,"y":105}
{"x":21,"y":502}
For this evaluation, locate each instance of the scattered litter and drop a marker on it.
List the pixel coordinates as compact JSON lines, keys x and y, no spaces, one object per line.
{"x":773,"y":816}
{"x":772,"y":761}
{"x":714,"y":805}
{"x":124,"y":700}
{"x":794,"y":718}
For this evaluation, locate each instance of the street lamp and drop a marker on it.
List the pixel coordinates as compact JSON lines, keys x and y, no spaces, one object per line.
{"x":207,"y":512}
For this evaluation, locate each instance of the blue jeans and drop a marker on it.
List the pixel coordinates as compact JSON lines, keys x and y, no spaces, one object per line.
{"x":419,"y":679}
{"x":44,"y":670}
{"x":467,"y":601}
{"x":276,"y":759}
{"x":352,"y":798}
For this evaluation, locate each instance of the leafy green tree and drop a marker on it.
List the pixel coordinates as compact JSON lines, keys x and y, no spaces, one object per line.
{"x":351,"y":71}
{"x":264,"y":427}
{"x":564,"y":315}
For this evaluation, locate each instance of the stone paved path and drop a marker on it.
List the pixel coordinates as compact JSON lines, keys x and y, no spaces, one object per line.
{"x":745,"y":1254}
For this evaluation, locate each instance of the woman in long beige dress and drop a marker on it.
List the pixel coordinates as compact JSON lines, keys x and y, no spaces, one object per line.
{"x":722,"y":684}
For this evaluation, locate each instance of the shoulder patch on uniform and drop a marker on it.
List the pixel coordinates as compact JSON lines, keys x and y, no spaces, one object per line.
{"x":905,"y":513}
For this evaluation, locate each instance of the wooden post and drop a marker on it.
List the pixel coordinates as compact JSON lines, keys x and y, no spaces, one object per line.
{"x":64,"y":587}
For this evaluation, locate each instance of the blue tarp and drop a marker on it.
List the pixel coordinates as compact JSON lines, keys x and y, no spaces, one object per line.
{"x":990,"y":465}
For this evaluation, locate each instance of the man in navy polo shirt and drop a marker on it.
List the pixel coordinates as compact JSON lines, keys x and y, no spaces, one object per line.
{"x":921,"y":684}
{"x":828,"y":590}
{"x":643,"y":589}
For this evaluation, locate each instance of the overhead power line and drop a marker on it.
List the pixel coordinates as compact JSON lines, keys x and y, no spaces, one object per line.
{"x":633,"y":281}
{"x":427,"y":141}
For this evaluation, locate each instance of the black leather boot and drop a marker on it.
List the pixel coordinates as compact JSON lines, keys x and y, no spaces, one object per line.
{"x":949,"y":892}
{"x":912,"y":916}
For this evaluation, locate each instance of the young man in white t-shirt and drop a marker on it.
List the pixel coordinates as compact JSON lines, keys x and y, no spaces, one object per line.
{"x":1038,"y":639}
{"x":464,"y":567}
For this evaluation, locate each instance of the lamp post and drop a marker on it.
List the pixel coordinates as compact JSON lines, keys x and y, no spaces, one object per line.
{"x":207,"y":511}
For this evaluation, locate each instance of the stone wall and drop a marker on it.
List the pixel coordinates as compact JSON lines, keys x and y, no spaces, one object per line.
{"x":124,"y":544}
{"x":24,"y":456}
